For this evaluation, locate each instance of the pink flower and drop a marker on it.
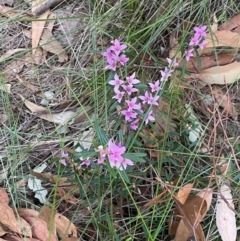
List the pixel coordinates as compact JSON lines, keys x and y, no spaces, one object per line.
{"x":195,"y":40}
{"x":119,"y":95}
{"x":155,"y":86}
{"x":116,"y":82}
{"x":134,"y":125}
{"x":115,"y":152}
{"x":146,"y":98}
{"x":149,"y":117}
{"x":202,"y":44}
{"x":153,"y":100}
{"x":109,"y":55}
{"x":117,"y":47}
{"x":132,"y":104}
{"x":122,"y":59}
{"x":102,"y":153}
{"x":112,"y":66}
{"x":129,"y":114}
{"x":165,"y":73}
{"x":172,"y":63}
{"x":189,"y":54}
{"x":129,"y":89}
{"x":64,"y":155}
{"x":131,"y":79}
{"x":87,"y":163}
{"x":125,"y":163}
{"x":201,"y":31}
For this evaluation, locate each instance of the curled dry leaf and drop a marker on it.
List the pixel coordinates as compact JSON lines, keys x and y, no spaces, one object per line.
{"x":12,"y":237}
{"x":4,"y":196}
{"x":231,"y":24}
{"x":195,"y":65}
{"x":206,"y":194}
{"x":223,"y":38}
{"x":192,"y":212}
{"x":225,"y":217}
{"x":184,"y":192}
{"x":224,"y":100}
{"x":221,"y":75}
{"x":65,"y":228}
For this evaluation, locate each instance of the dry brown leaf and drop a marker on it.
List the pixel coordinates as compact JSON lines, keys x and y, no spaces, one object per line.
{"x":184,"y":192}
{"x":192,"y":213}
{"x":50,"y":44}
{"x":206,"y":194}
{"x":208,"y":62}
{"x":225,"y":216}
{"x":232,"y":23}
{"x":158,"y":199}
{"x":51,"y":178}
{"x":7,"y":218}
{"x":224,"y":100}
{"x":59,"y":118}
{"x":71,"y":239}
{"x":39,"y":55}
{"x":2,"y":231}
{"x":10,"y":53}
{"x":26,"y":212}
{"x":4,"y":196}
{"x":12,"y":237}
{"x":39,"y":228}
{"x":184,"y":234}
{"x":50,"y":24}
{"x":37,"y":30}
{"x":48,"y":216}
{"x":221,"y":75}
{"x":223,"y":38}
{"x":25,"y":227}
{"x":65,"y":228}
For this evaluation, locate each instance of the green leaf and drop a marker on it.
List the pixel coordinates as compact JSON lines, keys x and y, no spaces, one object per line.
{"x":125,"y":176}
{"x":136,"y":157}
{"x":103,"y":139}
{"x":103,"y":227}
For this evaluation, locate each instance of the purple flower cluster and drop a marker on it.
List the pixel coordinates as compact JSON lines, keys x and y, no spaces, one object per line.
{"x":114,"y":153}
{"x":114,"y":56}
{"x":126,"y":90}
{"x":197,"y":40}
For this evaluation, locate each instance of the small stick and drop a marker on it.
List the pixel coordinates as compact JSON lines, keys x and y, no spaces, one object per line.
{"x":41,"y":9}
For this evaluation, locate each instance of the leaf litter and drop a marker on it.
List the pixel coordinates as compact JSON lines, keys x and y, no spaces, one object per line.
{"x":186,"y":201}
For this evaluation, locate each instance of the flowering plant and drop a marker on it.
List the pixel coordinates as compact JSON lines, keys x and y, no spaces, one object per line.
{"x":134,"y":104}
